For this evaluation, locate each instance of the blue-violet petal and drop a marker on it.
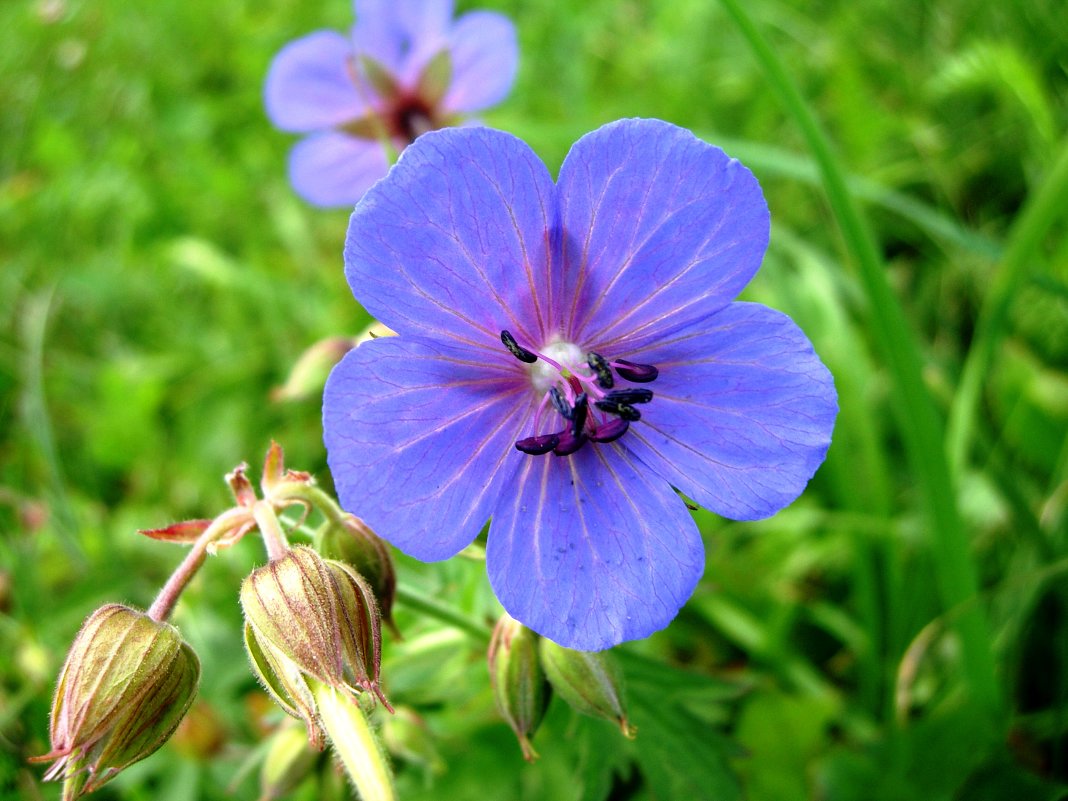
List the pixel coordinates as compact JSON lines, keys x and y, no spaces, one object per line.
{"x":454,"y":244}
{"x":334,"y":169}
{"x":485,"y":57}
{"x":660,"y":228}
{"x":420,"y":440}
{"x":593,"y":549}
{"x":309,"y":84}
{"x":743,"y":412}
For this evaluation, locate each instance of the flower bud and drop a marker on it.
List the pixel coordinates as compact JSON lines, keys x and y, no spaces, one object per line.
{"x":352,"y":542}
{"x":311,"y":618}
{"x":407,"y":736}
{"x":288,"y":762}
{"x":590,"y":682}
{"x":309,"y":373}
{"x":127,"y":683}
{"x":519,"y":687}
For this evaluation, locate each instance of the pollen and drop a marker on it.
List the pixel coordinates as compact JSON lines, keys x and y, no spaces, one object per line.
{"x":544,"y":373}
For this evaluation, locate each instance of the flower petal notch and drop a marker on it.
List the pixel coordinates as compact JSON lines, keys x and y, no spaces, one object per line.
{"x":406,"y":67}
{"x":569,"y":356}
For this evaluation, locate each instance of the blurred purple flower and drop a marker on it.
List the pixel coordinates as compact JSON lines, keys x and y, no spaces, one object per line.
{"x":406,"y":68}
{"x":592,"y":318}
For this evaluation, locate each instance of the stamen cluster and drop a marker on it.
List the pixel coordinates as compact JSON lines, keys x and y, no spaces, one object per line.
{"x":570,"y":393}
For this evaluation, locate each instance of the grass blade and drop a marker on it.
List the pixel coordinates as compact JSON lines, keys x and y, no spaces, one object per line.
{"x":918,"y":417}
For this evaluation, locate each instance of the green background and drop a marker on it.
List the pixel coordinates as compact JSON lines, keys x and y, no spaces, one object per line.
{"x":901,"y":631}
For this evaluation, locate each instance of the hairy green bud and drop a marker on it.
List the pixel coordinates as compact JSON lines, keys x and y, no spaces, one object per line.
{"x":309,"y":618}
{"x":288,"y":762}
{"x":127,"y":683}
{"x":590,"y":681}
{"x":519,"y":687}
{"x":352,"y":542}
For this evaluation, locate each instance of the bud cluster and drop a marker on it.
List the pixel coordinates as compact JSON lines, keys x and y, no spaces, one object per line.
{"x":313,"y":637}
{"x":312,"y":632}
{"x":526,"y":669}
{"x":310,"y":618}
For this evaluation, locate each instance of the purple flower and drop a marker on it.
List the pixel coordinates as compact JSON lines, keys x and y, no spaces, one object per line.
{"x":406,"y":68}
{"x":568,"y":356}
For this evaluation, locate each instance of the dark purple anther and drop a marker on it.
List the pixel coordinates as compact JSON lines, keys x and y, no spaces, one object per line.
{"x":599,"y":365}
{"x":638,"y":373}
{"x":581,"y":427}
{"x":610,"y":431}
{"x":522,"y":354}
{"x":630,"y":395}
{"x":536,"y":446}
{"x":569,"y":443}
{"x":624,"y":410}
{"x":559,"y":403}
{"x":578,"y":414}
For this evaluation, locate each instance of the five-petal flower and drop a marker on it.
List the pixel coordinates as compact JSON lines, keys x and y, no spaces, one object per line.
{"x":407,"y":67}
{"x":570,"y":356}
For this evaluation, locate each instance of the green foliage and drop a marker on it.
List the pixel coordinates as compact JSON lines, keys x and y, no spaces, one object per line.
{"x":901,"y":631}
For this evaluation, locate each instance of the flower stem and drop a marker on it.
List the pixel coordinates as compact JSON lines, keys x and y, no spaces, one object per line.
{"x":356,"y":745}
{"x":415,"y":600}
{"x":309,"y":493}
{"x":168,"y":596}
{"x":274,"y":539}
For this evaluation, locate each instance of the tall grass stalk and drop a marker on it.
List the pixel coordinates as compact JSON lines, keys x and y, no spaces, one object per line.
{"x":1025,"y":239}
{"x":918,"y":417}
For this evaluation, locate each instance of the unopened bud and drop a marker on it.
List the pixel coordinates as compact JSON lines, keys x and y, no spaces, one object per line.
{"x":407,"y":736}
{"x":288,"y":762}
{"x":309,"y":372}
{"x":127,"y":683}
{"x":362,"y":626}
{"x":352,"y":542}
{"x":590,"y":682}
{"x":311,"y":618}
{"x":519,"y":687}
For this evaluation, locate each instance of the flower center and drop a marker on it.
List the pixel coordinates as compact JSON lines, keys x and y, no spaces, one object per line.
{"x":570,"y":382}
{"x":402,"y":114}
{"x":410,"y":118}
{"x":544,"y":373}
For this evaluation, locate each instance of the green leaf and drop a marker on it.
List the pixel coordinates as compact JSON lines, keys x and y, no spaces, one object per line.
{"x":782,"y":734}
{"x":679,"y":756}
{"x":679,"y":753}
{"x":1002,"y":779}
{"x":597,"y":765}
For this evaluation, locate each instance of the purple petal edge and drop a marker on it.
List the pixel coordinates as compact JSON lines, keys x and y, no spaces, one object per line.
{"x":742,"y":414}
{"x":592,"y":550}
